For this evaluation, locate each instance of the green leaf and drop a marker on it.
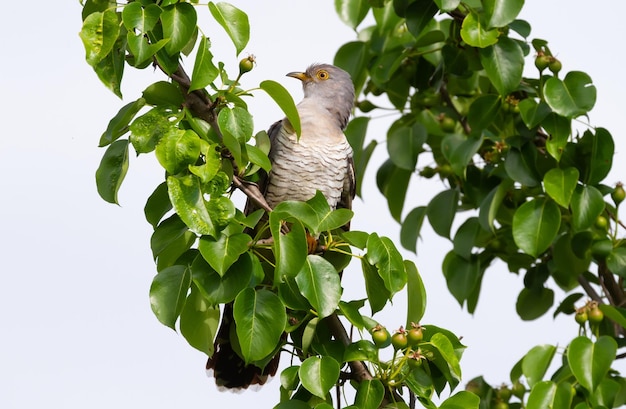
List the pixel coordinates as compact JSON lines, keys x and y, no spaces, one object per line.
{"x":589,"y":361}
{"x":237,"y":122}
{"x":419,"y":15}
{"x":416,"y":294}
{"x":411,"y":227}
{"x":352,"y":57}
{"x":289,"y":379}
{"x":445,"y":357}
{"x":199,"y":321}
{"x":382,"y":253}
{"x":352,"y":12}
{"x":211,"y":166}
{"x":475,"y":34}
{"x":361,"y":350}
{"x":147,"y":130}
{"x":587,"y":204}
{"x":559,"y":129}
{"x":233,"y":21}
{"x":163,"y":93}
{"x":319,"y":375}
{"x":536,"y":362}
{"x":168,"y":293}
{"x":157,"y":205}
{"x":260,"y":317}
{"x":187,"y":198}
{"x":222,"y":252}
{"x":393,"y":182}
{"x":112,"y":170}
{"x":571,"y":97}
{"x":535,"y":225}
{"x":462,"y":276}
{"x":369,"y":394}
{"x":532,"y":303}
{"x":92,"y":6}
{"x":290,"y":250}
{"x":179,"y":24}
{"x":218,"y":289}
{"x":315,"y":213}
{"x":319,"y":282}
{"x":404,"y":144}
{"x":204,"y":71}
{"x":141,"y":49}
{"x":118,"y":125}
{"x":567,"y":263}
{"x":616,"y":261}
{"x":461,"y":400}
{"x":483,"y":110}
{"x":168,"y":231}
{"x":503,"y":63}
{"x":533,"y":113}
{"x":141,"y":18}
{"x":501,"y":13}
{"x":110,"y":69}
{"x":441,"y":211}
{"x":459,"y":150}
{"x":178,"y":149}
{"x":222,"y":210}
{"x":560,"y":184}
{"x":491,"y":204}
{"x":597,"y":151}
{"x":99,"y":34}
{"x":616,"y":314}
{"x":547,"y":394}
{"x":258,"y":158}
{"x":350,"y":310}
{"x":377,"y":293}
{"x":447,"y":5}
{"x":285,"y":102}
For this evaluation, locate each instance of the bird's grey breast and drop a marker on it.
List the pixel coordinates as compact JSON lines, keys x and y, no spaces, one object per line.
{"x":319,"y":160}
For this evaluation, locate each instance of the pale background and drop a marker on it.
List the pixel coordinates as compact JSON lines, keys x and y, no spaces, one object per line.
{"x":77,"y":329}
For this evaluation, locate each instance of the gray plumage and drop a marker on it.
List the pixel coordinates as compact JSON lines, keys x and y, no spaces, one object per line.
{"x":322,"y":158}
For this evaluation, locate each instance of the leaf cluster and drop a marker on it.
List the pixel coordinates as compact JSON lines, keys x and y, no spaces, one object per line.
{"x":523,"y":177}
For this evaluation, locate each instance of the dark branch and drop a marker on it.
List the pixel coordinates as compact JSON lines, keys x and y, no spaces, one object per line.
{"x":591,"y":292}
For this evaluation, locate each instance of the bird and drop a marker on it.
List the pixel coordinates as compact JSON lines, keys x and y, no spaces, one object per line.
{"x":320,"y":159}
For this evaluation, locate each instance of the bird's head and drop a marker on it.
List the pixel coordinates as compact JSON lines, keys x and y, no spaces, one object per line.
{"x":331,"y":87}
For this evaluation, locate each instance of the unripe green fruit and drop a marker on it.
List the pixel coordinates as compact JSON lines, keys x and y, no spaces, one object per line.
{"x":381,"y":337}
{"x":447,"y":124}
{"x":428,"y":172}
{"x":595,"y":315}
{"x":581,"y":317}
{"x":618,"y":195}
{"x":246,"y":64}
{"x":518,"y":390}
{"x":555,"y":65}
{"x":542,"y":61}
{"x":399,"y":340}
{"x":602,"y":223}
{"x":415,"y":336}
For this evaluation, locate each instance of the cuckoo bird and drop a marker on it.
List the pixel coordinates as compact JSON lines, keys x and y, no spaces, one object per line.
{"x":321,"y":159}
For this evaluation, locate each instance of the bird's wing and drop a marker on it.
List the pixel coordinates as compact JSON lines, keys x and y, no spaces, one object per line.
{"x":349,"y":187}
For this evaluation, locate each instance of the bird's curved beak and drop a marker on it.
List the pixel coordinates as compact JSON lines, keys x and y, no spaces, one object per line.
{"x":299,"y":75}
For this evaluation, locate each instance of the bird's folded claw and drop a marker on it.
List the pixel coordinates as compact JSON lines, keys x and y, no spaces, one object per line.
{"x":311,"y":243}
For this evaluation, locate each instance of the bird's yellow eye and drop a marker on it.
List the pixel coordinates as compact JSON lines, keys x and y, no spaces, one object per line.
{"x":322,"y":75}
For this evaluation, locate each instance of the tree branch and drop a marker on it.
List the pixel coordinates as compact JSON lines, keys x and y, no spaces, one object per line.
{"x":591,"y":292}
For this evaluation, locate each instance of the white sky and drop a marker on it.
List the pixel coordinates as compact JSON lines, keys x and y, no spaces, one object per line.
{"x":78,"y":331}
